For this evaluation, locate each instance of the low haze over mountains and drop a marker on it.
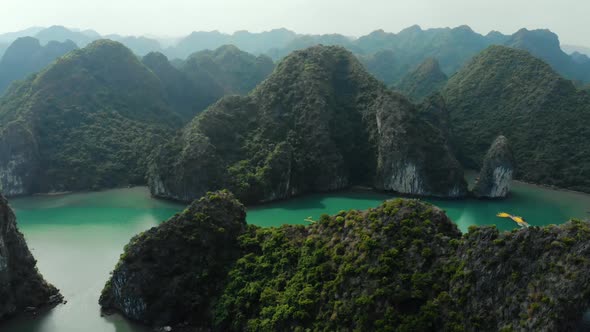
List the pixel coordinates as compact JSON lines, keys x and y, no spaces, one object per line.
{"x":260,"y":117}
{"x":389,"y":56}
{"x":26,"y":56}
{"x":81,"y":122}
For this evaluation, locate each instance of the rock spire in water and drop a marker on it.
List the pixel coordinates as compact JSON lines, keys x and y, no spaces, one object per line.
{"x":495,"y":178}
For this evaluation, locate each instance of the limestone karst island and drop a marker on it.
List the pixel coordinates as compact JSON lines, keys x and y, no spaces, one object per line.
{"x":297,"y":166}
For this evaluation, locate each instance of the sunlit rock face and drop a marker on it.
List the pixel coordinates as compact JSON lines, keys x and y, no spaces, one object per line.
{"x":21,"y":286}
{"x":495,"y":178}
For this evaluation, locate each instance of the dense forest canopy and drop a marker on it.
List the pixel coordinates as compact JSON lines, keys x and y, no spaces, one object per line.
{"x":505,"y":91}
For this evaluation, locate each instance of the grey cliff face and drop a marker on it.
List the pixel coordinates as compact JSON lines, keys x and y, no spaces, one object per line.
{"x":495,"y":178}
{"x":413,"y":156}
{"x":18,"y":160}
{"x":21,"y":285}
{"x":318,"y":123}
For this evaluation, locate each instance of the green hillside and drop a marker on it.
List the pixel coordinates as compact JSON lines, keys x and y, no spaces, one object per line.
{"x":508,"y":92}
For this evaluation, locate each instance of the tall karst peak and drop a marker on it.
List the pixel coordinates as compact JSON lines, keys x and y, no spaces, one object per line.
{"x":320,"y":122}
{"x":506,"y":91}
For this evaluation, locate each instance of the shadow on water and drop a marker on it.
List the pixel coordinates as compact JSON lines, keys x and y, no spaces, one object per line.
{"x":77,"y":239}
{"x":25,"y":323}
{"x":121,"y":324}
{"x":322,"y":200}
{"x":539,"y":206}
{"x":45,"y":322}
{"x":584,"y":323}
{"x":312,"y":201}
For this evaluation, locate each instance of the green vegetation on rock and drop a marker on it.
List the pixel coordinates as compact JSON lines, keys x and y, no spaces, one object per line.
{"x":207,"y":75}
{"x":383,"y":65}
{"x":181,"y":93}
{"x":89,"y":120}
{"x":174,"y":272}
{"x":508,"y":92}
{"x":380,"y":269}
{"x":424,"y":81}
{"x":234,"y":71}
{"x":403,"y":266}
{"x":533,"y":279}
{"x":26,"y":56}
{"x":545,"y":45}
{"x":318,"y":123}
{"x":22,"y":288}
{"x":392,"y":56}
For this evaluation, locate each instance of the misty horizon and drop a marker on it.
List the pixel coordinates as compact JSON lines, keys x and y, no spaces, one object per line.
{"x":168,"y":40}
{"x":178,"y":18}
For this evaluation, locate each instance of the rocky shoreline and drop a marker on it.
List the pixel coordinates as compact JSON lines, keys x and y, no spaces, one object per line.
{"x":22,"y":287}
{"x":433,"y":272}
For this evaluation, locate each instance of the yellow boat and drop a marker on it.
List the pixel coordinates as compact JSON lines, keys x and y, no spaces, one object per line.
{"x":518,"y":220}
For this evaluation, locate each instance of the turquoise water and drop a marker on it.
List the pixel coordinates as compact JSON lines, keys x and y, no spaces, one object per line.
{"x":538,"y":205}
{"x":77,"y":238}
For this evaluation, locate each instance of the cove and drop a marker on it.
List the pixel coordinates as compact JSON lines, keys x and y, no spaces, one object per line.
{"x":77,"y":238}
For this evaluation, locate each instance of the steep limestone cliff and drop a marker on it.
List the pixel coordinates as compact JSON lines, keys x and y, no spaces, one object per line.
{"x":319,"y":123}
{"x":509,"y":92}
{"x":495,"y":178}
{"x":21,"y":286}
{"x":299,"y":275}
{"x":403,"y":266}
{"x":173,"y":272}
{"x":18,"y":159}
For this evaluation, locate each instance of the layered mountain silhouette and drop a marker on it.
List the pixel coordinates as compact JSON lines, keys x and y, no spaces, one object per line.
{"x":545,"y":45}
{"x":423,"y":81}
{"x":26,"y":56}
{"x":206,"y":76}
{"x":451,"y":47}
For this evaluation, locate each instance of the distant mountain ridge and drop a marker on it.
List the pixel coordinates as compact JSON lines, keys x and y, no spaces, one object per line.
{"x":545,"y":45}
{"x":403,"y":51}
{"x":206,"y":76}
{"x":256,"y":43}
{"x":139,"y":45}
{"x":26,"y":56}
{"x":61,"y":34}
{"x":9,"y":37}
{"x":569,"y":49}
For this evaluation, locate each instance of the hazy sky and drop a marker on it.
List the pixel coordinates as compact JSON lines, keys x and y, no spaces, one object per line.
{"x":569,"y":18}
